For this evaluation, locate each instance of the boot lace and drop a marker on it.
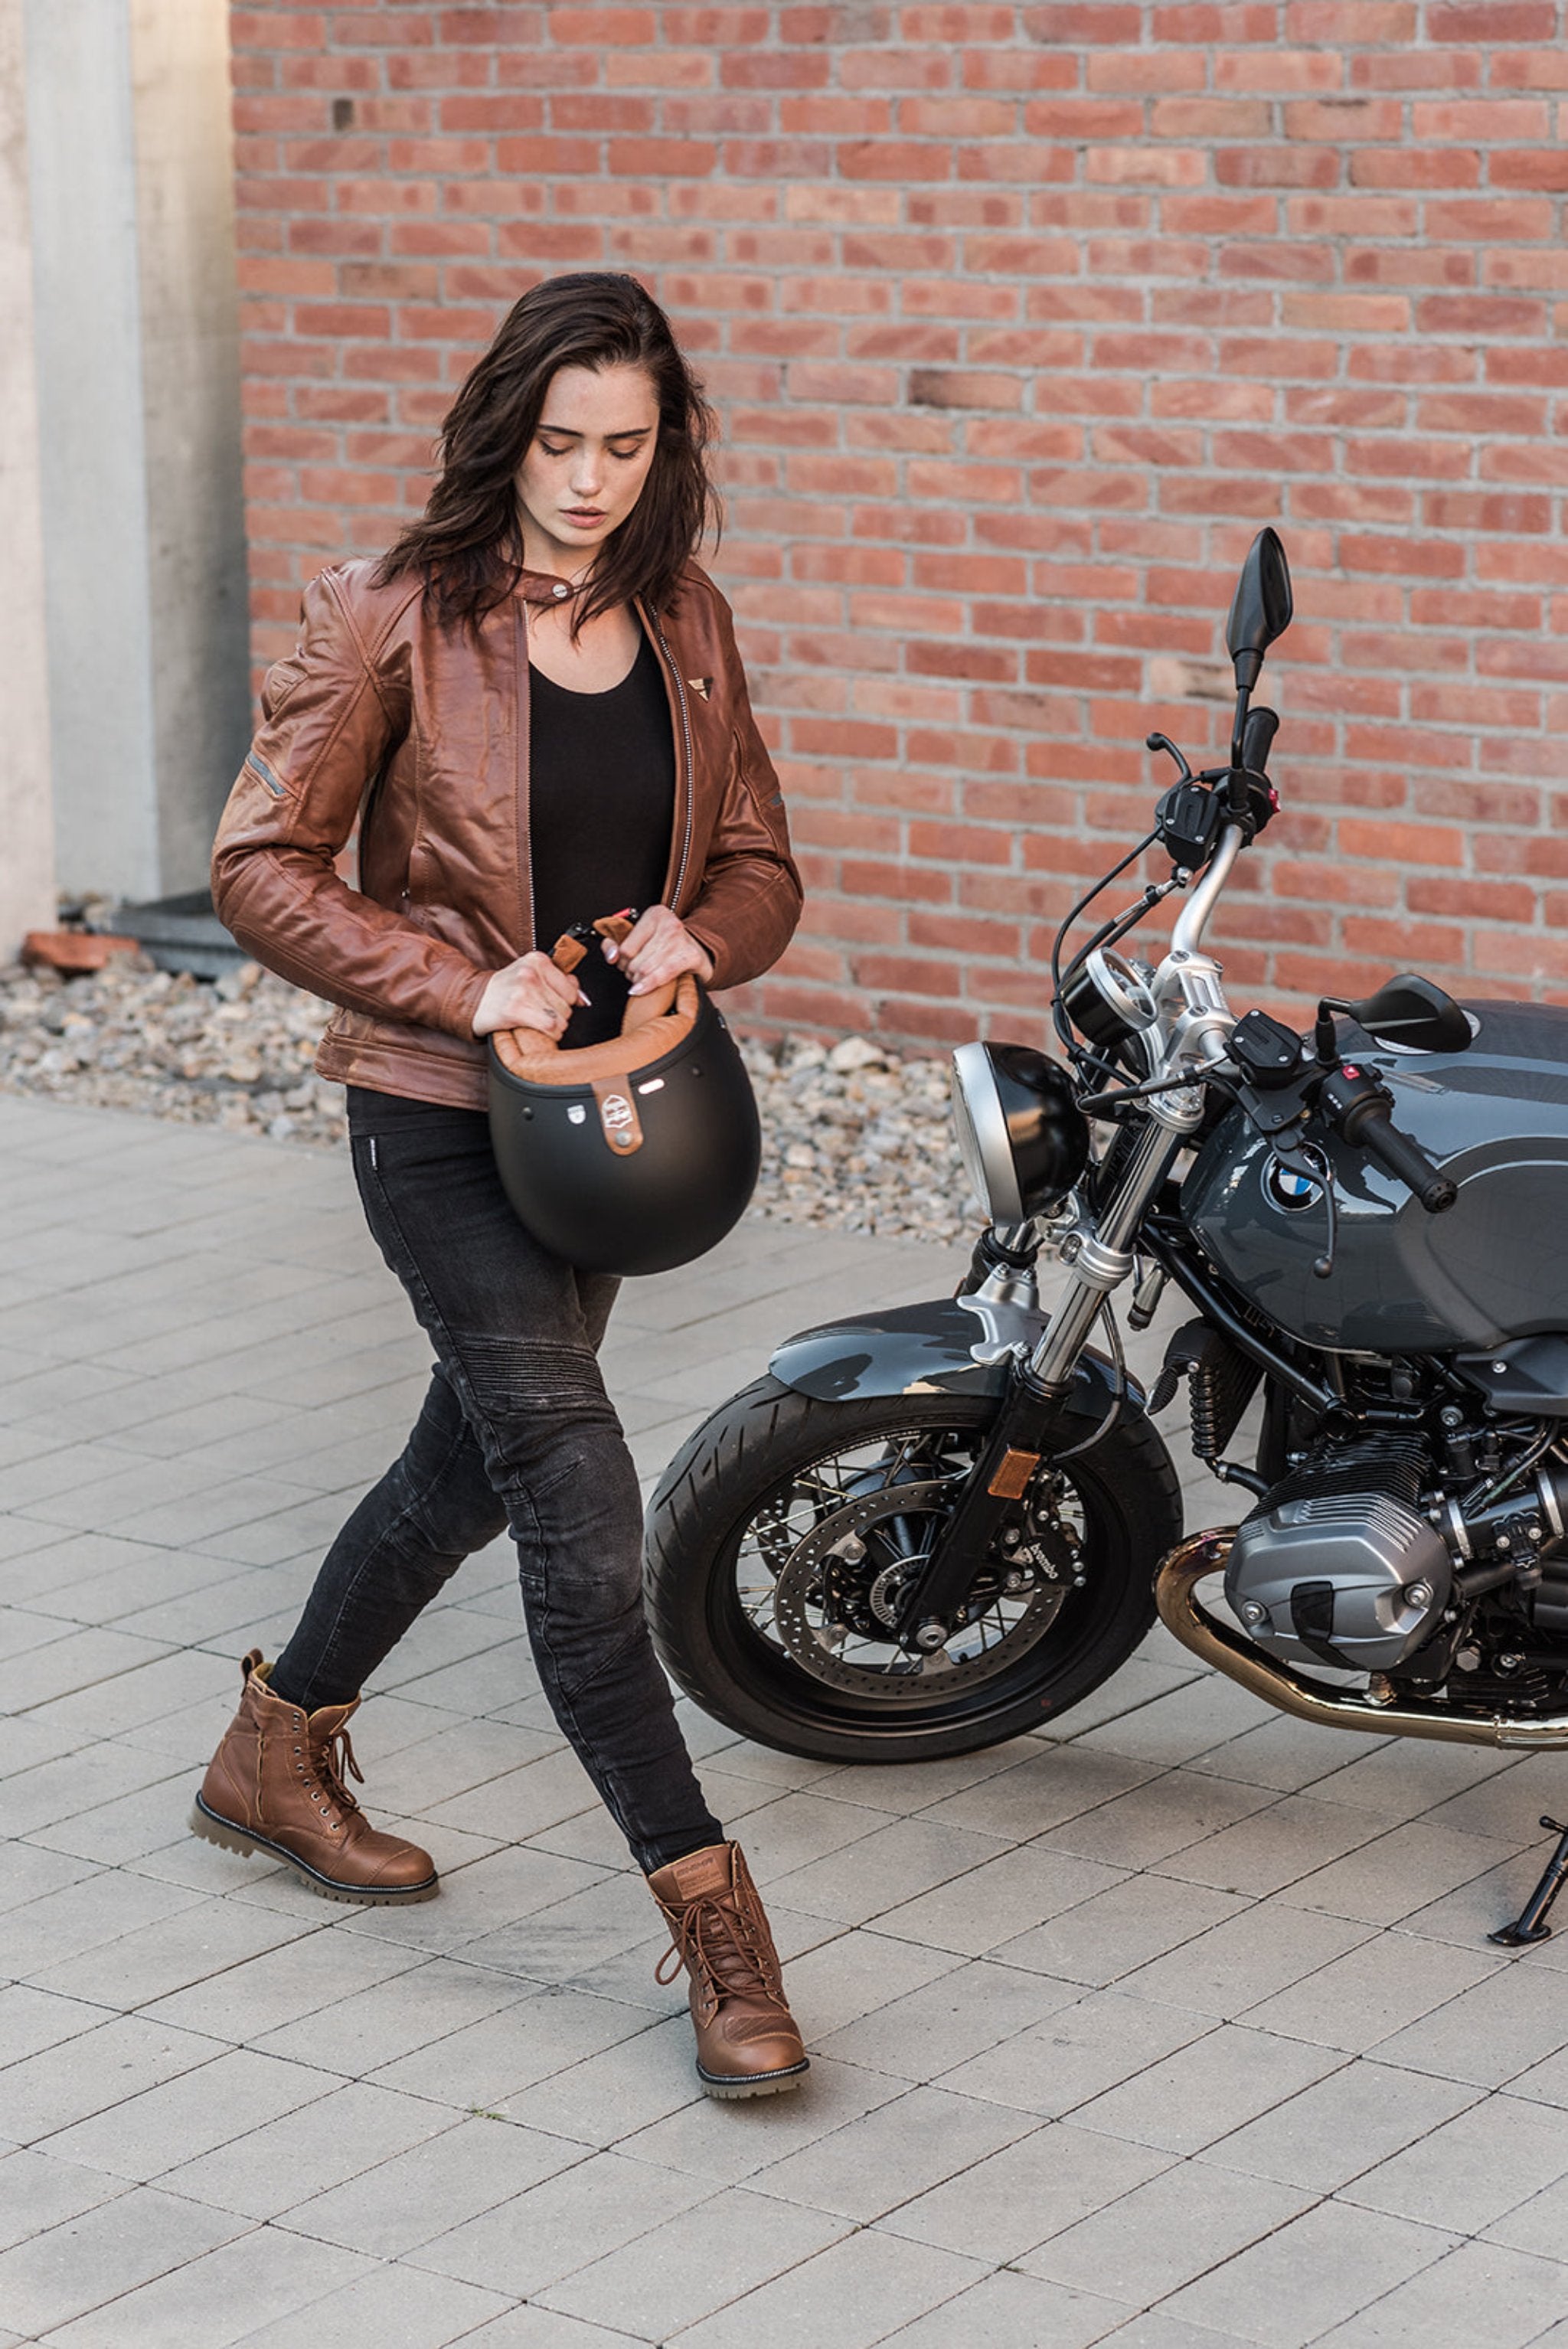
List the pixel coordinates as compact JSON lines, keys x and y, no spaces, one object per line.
{"x":331,"y":1758}
{"x":728,"y":1953}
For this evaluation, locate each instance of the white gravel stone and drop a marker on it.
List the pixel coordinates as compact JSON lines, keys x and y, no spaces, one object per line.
{"x":854,"y":1138}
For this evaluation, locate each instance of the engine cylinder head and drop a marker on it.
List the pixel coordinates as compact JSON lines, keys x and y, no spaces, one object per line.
{"x":1337,"y":1566}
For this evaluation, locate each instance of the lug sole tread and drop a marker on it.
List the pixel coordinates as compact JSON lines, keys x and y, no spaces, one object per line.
{"x":729,"y":2088}
{"x":228,"y":1837}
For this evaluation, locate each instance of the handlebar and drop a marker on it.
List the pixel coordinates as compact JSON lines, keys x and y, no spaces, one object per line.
{"x":1187,"y":936}
{"x":1257,"y":738}
{"x":1356,"y":1106}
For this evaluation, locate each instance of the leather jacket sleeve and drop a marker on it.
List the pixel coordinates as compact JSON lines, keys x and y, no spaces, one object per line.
{"x":330,"y":718}
{"x":746,"y":910}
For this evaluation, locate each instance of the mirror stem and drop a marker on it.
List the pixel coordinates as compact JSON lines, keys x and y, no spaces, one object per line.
{"x":1238,"y":790}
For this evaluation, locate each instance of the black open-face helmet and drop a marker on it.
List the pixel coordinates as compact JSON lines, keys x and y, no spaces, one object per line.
{"x":636,"y":1154}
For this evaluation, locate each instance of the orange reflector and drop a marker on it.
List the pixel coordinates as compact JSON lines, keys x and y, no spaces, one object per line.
{"x":1011,"y":1481}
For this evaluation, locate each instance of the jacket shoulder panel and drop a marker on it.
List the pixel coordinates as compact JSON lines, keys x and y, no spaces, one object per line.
{"x":697,"y":591}
{"x":375,"y":613}
{"x":700,"y":621}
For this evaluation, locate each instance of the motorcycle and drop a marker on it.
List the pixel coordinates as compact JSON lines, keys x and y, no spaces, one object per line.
{"x":928,"y":1530}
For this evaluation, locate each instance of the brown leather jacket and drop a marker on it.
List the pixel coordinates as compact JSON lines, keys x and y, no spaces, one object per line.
{"x":421,"y":732}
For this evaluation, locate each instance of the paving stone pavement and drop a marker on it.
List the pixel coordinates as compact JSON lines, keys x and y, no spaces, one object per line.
{"x":1173,"y":2027}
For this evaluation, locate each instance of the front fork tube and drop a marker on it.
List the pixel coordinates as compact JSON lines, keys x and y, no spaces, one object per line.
{"x":1100,"y":1260}
{"x":1032,"y":1410}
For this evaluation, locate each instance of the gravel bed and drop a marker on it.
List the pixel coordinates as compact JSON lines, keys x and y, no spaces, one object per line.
{"x":854,"y":1138}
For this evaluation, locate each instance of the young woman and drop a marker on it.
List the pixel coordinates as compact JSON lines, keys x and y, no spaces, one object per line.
{"x":535,"y":707}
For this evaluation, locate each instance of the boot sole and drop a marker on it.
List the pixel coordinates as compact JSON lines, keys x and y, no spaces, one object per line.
{"x":245,"y":1840}
{"x":729,"y":2089}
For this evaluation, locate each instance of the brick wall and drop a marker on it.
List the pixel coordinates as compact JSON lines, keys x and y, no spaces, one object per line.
{"x":1021,"y":320}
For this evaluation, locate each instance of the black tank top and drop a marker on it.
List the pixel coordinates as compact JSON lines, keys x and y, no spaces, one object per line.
{"x":602,"y":790}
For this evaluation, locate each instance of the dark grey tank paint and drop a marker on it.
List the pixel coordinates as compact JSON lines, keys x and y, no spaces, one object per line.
{"x":1494,"y":1268}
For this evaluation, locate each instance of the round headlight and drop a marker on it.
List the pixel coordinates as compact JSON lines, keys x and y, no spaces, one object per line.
{"x":1021,"y":1134}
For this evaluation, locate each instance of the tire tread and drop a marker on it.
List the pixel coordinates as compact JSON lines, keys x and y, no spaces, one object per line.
{"x":690,"y":1519}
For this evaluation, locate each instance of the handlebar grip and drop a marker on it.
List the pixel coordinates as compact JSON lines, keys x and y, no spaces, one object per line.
{"x":1409,"y":1164}
{"x":1257,"y":738}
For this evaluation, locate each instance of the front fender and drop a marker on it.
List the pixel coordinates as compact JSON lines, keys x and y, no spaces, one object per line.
{"x":926,"y":1350}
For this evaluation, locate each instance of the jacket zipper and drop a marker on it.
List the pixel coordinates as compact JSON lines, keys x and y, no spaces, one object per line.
{"x":687,"y":745}
{"x":523,"y":792}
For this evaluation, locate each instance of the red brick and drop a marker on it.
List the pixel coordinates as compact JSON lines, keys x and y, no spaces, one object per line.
{"x":1430,"y":945}
{"x":1019,"y":69}
{"x":1351,"y":21}
{"x":951,"y":844}
{"x":1530,"y":269}
{"x":1471,"y":900}
{"x":1524,"y":167}
{"x":1530,"y":69}
{"x":1480,"y":315}
{"x":1277,"y":166}
{"x":1279,"y":72}
{"x":1474,"y":511}
{"x":1491,"y":20}
{"x":1527,"y":854}
{"x":1418,"y":167}
{"x":1075,"y":23}
{"x":1542,"y":365}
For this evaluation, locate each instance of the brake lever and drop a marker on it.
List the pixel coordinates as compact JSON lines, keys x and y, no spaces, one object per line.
{"x":1322,"y":1266}
{"x":1311,"y":1163}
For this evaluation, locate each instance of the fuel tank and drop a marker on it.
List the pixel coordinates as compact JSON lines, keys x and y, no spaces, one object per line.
{"x":1495,"y":1118}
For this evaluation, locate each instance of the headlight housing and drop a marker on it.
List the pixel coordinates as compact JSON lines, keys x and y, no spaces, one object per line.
{"x":1022,"y":1137}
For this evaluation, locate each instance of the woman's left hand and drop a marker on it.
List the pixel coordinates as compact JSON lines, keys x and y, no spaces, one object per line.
{"x":657,"y":948}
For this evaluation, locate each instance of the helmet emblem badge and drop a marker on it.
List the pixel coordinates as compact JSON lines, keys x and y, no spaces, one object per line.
{"x":623,"y":1128}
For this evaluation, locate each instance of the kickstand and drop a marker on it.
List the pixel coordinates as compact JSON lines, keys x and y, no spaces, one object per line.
{"x":1531,"y":1924}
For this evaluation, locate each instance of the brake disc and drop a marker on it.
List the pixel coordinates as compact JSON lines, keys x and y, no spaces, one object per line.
{"x":801,"y":1604}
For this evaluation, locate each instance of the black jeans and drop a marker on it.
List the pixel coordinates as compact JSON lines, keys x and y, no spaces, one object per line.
{"x":516,"y":1431}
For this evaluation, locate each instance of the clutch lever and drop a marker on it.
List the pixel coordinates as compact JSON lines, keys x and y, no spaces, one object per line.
{"x":1312,"y":1165}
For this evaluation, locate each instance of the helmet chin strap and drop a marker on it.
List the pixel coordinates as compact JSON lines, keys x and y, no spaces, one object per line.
{"x":611,"y":929}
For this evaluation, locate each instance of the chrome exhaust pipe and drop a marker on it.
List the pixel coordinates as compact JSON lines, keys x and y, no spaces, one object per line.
{"x":1176,"y":1580}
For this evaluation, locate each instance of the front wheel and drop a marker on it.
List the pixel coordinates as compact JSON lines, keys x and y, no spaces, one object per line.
{"x":783,"y":1537}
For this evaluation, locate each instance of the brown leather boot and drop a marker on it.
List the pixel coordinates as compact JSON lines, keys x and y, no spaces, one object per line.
{"x":276,"y":1785}
{"x":746,"y":2043}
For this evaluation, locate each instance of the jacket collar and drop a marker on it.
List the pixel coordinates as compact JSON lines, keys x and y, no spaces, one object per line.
{"x":541,"y":587}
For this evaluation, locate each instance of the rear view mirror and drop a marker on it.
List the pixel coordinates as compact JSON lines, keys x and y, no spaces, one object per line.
{"x":1413,"y":1011}
{"x":1261,"y":608}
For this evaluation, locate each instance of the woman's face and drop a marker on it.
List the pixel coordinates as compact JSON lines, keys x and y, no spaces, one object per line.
{"x":587,"y":462}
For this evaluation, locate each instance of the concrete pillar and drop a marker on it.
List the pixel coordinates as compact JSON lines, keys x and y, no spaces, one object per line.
{"x":197,"y":588}
{"x":26,"y":825}
{"x":137,"y":334}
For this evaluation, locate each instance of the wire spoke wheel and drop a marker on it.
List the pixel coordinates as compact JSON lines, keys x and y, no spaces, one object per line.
{"x":785,"y":1537}
{"x":825,"y":1566}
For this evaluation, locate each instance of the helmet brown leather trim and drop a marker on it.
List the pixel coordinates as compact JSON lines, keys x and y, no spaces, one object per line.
{"x":653,"y":1027}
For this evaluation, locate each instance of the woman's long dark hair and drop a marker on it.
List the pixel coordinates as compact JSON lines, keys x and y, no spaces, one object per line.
{"x":469,"y":540}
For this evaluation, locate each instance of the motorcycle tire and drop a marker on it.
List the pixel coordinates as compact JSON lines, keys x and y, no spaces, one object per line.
{"x":772,"y":1448}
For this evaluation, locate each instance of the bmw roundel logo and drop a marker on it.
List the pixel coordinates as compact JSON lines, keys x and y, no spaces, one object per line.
{"x":1288,"y":1190}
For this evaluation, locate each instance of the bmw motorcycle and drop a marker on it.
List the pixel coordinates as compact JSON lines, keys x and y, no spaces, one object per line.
{"x":929,"y":1529}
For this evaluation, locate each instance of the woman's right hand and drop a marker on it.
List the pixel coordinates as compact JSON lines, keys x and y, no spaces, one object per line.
{"x":528,"y":993}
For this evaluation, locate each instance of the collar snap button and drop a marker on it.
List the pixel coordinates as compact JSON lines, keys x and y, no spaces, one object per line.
{"x":560,"y":588}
